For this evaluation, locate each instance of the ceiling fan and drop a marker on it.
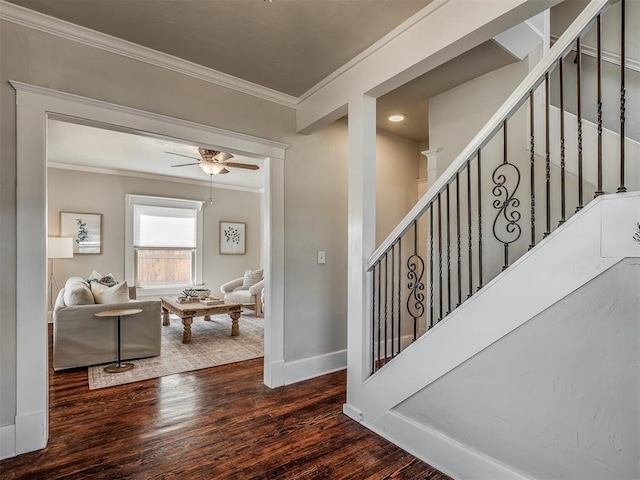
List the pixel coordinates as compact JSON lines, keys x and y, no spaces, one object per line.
{"x":214,"y":162}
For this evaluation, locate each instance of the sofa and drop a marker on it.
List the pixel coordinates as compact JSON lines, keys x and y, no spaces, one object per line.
{"x":246,"y":290}
{"x":82,"y":339}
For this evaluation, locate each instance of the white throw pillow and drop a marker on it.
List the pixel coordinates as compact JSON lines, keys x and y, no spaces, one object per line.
{"x":251,"y":277}
{"x":77,"y":292}
{"x":119,"y":293}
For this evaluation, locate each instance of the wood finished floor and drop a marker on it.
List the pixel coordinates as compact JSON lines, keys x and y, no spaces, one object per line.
{"x":218,"y":423}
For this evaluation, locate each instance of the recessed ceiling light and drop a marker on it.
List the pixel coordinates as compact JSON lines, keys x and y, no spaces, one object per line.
{"x":396,"y":117}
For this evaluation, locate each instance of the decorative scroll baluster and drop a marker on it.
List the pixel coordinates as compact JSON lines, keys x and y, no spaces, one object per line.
{"x":623,"y":71}
{"x":469,"y":230}
{"x":393,"y":273}
{"x":448,"y":252}
{"x":440,"y":302}
{"x":547,"y":155}
{"x":563,"y":187}
{"x":506,"y":202}
{"x":458,"y":239}
{"x":415,"y":271}
{"x":480,"y":284}
{"x":431,"y":308}
{"x":599,"y":104}
{"x":579,"y":115}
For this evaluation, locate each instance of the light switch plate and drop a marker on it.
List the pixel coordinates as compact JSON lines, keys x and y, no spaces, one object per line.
{"x":321,"y":257}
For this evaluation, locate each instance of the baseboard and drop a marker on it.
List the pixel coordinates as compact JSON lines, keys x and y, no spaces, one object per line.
{"x":352,"y":412}
{"x":306,"y":368}
{"x":274,"y":374}
{"x":31,"y":432}
{"x":7,"y":441}
{"x":438,"y":450}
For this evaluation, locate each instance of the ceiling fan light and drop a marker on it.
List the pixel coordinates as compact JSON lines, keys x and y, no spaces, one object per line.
{"x":211,"y":168}
{"x":396,"y":117}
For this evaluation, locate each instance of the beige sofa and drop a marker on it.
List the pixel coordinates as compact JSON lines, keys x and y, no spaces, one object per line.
{"x":81,"y":339}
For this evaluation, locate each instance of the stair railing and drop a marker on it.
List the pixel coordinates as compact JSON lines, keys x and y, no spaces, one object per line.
{"x":452,"y":242}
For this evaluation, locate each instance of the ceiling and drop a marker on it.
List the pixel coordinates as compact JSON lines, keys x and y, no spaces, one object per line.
{"x":286,"y":45}
{"x":90,"y":147}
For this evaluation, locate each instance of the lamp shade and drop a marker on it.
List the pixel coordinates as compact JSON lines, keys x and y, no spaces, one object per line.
{"x":211,"y":168}
{"x":59,"y":247}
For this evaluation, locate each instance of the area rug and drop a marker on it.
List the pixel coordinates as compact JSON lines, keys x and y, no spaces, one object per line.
{"x":211,"y":345}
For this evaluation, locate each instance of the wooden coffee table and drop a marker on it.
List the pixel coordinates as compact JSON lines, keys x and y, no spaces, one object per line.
{"x":187,"y":311}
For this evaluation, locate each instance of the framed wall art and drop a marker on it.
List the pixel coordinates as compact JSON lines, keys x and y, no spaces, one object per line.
{"x":85,"y":229}
{"x":232,"y":238}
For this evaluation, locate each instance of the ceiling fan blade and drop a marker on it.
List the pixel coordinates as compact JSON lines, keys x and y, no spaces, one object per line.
{"x":223,"y":171}
{"x":181,"y":155}
{"x":185,"y":164}
{"x":241,"y":165}
{"x":222,"y":156}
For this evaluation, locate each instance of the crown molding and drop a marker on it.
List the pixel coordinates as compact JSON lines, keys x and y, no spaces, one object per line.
{"x":61,"y":28}
{"x":150,"y":176}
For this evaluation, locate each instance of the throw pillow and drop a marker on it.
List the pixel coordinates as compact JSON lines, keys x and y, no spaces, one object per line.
{"x":77,"y":292}
{"x":107,"y":279}
{"x":251,"y":277}
{"x":119,"y":293}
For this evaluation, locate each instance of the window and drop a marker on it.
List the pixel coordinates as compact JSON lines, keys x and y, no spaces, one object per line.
{"x":164,"y":243}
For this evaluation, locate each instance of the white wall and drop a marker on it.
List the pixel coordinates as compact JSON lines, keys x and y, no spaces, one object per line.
{"x":71,"y":191}
{"x":456,"y":116}
{"x":566,"y":403}
{"x":317,"y":179}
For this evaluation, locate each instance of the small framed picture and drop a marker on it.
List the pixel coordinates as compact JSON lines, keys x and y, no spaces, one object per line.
{"x":232,"y":238}
{"x":85,"y":229}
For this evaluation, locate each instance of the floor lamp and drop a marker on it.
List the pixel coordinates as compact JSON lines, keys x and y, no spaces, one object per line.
{"x":57,"y":247}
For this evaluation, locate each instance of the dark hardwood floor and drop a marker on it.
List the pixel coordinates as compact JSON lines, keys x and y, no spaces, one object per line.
{"x":218,"y":423}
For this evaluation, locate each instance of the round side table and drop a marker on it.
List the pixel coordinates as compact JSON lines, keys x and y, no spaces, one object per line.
{"x":119,"y":367}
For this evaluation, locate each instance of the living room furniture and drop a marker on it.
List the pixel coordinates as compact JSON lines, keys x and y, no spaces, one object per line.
{"x":81,"y":339}
{"x":187,"y":311}
{"x":118,"y":367}
{"x":248,"y":297}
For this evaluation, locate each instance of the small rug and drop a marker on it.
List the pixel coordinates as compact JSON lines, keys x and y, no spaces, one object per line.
{"x":211,"y":345}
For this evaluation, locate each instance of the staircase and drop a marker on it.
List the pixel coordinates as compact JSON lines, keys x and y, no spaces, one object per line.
{"x":488,"y":277}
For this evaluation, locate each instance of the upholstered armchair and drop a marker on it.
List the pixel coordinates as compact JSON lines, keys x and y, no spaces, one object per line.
{"x":243,"y":290}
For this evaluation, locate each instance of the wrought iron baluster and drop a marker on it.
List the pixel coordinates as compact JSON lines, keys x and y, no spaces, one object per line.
{"x":431,"y":308}
{"x":393,"y":260}
{"x":373,"y":320}
{"x":440,"y":297}
{"x":547,"y":154}
{"x":599,"y":104}
{"x":563,"y":186}
{"x":415,"y":272}
{"x":448,"y":216}
{"x":623,"y":71}
{"x":533,"y":169}
{"x":469,"y":230}
{"x":379,"y":361}
{"x":458,"y":239}
{"x":579,"y":115}
{"x":386,"y":298}
{"x":480,"y":284}
{"x":506,"y":203}
{"x":399,"y":292}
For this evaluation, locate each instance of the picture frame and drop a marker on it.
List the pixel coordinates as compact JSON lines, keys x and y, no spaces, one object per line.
{"x":85,"y":229}
{"x":232,"y":238}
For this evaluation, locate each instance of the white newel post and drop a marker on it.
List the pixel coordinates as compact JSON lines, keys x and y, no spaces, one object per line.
{"x":361,"y":244}
{"x":432,"y":165}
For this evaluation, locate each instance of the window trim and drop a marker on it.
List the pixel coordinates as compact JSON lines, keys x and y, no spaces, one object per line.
{"x":129,"y":266}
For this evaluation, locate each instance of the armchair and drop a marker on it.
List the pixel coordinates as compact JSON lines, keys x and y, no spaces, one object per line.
{"x":249,"y":298}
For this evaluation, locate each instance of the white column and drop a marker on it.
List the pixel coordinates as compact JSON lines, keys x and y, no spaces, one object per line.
{"x":432,"y":165}
{"x":361,"y":244}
